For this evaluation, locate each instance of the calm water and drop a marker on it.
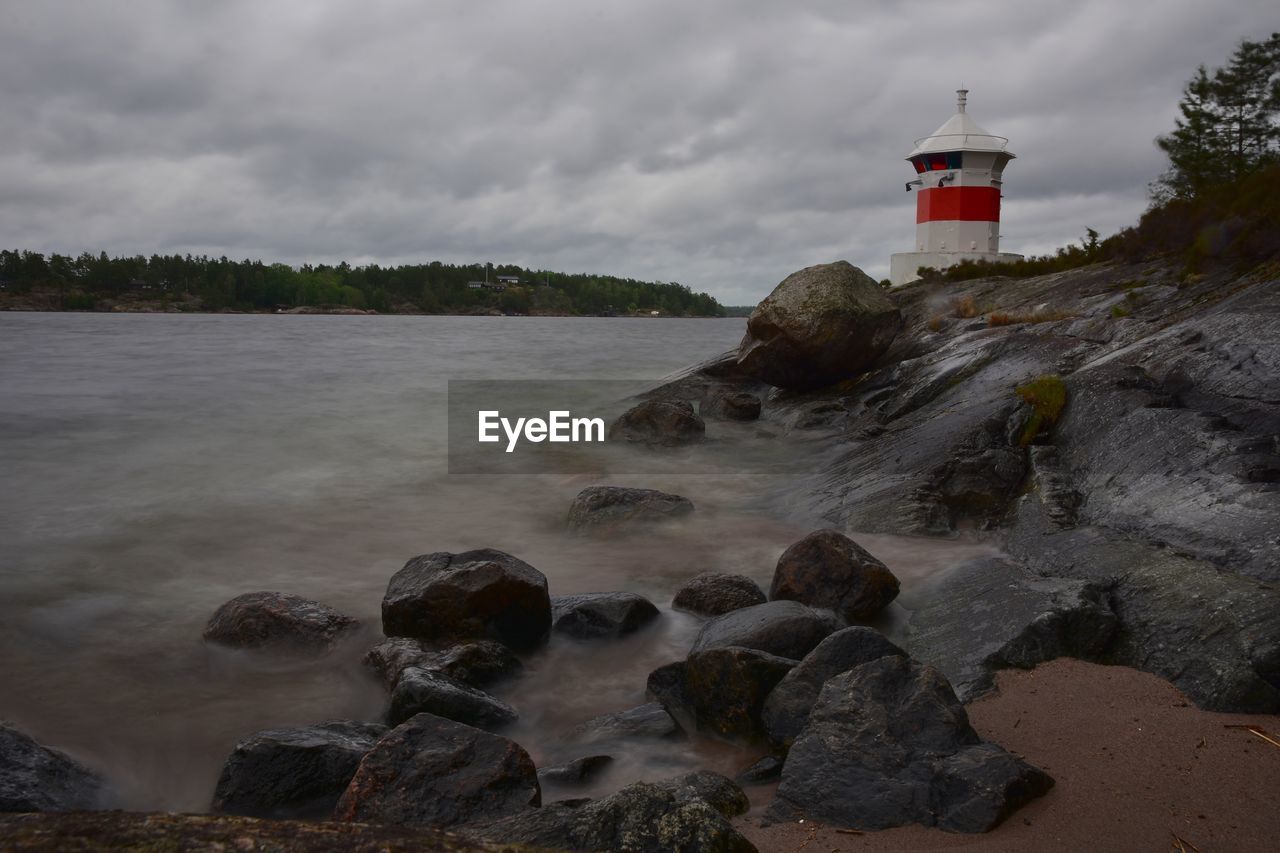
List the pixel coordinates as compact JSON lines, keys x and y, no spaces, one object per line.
{"x":153,"y":466}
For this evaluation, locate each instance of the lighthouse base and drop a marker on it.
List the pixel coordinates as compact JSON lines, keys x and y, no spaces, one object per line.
{"x":904,"y":266}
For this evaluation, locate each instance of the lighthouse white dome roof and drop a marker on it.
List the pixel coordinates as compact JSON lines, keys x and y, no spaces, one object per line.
{"x":959,"y":133}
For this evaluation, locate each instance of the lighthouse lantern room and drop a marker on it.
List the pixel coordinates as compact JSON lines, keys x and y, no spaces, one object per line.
{"x":959,"y":169}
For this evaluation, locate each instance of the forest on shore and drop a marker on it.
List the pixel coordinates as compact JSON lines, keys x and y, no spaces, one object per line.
{"x":30,"y":280}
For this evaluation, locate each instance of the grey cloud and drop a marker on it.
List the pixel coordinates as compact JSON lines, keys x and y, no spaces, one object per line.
{"x":722,"y":144}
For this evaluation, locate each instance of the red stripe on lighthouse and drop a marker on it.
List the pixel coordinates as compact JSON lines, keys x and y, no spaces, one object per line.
{"x":967,"y":204}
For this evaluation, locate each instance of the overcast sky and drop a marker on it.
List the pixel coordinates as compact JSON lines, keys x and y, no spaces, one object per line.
{"x":719,"y":143}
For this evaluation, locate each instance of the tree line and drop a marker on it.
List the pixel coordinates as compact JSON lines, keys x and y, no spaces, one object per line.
{"x":214,"y":284}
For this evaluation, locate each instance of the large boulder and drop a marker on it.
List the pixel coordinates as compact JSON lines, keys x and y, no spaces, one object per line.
{"x":477,"y":663}
{"x":728,"y":688}
{"x":821,"y":325}
{"x":476,"y":594}
{"x":787,"y":708}
{"x":669,"y":686}
{"x":889,"y":744}
{"x":828,"y":569}
{"x":641,"y":818}
{"x":717,"y":593}
{"x":596,"y":615}
{"x":295,"y":772}
{"x":659,"y":423}
{"x":431,"y":771}
{"x":34,"y":778}
{"x":422,"y":690}
{"x":784,"y":628}
{"x":610,"y":509}
{"x":258,"y":620}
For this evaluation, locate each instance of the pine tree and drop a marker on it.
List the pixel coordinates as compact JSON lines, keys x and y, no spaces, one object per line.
{"x":1228,"y":123}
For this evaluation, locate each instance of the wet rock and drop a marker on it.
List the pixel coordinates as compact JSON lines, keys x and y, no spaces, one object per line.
{"x":828,"y":569}
{"x":580,"y":771}
{"x":820,"y":325}
{"x":643,"y":817}
{"x":730,"y":405}
{"x":659,"y":423}
{"x":786,"y":710}
{"x":601,"y":614}
{"x":422,"y":690}
{"x":258,"y":620}
{"x":1214,"y":634}
{"x":717,"y":593}
{"x":784,"y":628}
{"x":980,"y":485}
{"x":669,"y":686}
{"x":762,"y":772}
{"x":476,"y":594}
{"x":35,"y":778}
{"x":430,"y":771}
{"x":478,"y":663}
{"x":989,"y":614}
{"x":294,"y":772}
{"x":607,"y":509}
{"x":728,"y":687}
{"x":648,"y":721}
{"x":889,"y":744}
{"x":152,"y":831}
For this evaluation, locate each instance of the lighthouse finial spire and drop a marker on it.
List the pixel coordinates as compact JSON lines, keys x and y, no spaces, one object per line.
{"x":962,"y":95}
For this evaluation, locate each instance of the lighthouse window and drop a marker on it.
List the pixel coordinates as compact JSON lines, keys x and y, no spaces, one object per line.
{"x":937,"y":162}
{"x":918,"y":162}
{"x":954,"y":159}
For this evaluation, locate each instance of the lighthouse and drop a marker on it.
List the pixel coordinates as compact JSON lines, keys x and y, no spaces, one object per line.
{"x":959,"y":170}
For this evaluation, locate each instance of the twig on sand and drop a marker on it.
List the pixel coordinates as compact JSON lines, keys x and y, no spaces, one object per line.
{"x":1182,"y":845}
{"x":1257,"y":732}
{"x":850,"y":831}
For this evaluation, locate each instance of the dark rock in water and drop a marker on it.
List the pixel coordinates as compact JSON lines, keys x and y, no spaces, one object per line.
{"x":764,"y":771}
{"x":293,"y":773}
{"x":821,"y":325}
{"x":728,"y":687}
{"x":657,"y":423}
{"x":426,"y":690}
{"x":475,"y":594}
{"x":431,"y":771}
{"x":669,"y":686}
{"x":889,"y":744}
{"x":784,"y":628}
{"x":601,"y":614}
{"x":606,"y":509}
{"x":730,"y":405}
{"x":828,"y":569}
{"x":478,"y":663}
{"x":159,"y":831}
{"x":989,"y":614}
{"x":640,"y":818}
{"x":259,"y":620}
{"x":34,"y":778}
{"x":787,"y":709}
{"x":717,"y":593}
{"x":580,"y":771}
{"x":649,"y":721}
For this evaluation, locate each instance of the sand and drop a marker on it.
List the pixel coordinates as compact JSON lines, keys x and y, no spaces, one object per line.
{"x":1134,"y":762}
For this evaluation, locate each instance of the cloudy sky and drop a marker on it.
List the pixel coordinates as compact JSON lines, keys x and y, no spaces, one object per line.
{"x":720,"y":143}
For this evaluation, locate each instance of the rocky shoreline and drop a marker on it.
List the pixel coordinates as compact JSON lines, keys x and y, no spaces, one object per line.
{"x":1126,"y":462}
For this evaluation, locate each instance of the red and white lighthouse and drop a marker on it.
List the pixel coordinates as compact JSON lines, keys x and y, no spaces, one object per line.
{"x":959,"y":170}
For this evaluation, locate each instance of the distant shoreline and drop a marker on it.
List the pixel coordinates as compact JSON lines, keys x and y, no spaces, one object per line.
{"x":355,"y":312}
